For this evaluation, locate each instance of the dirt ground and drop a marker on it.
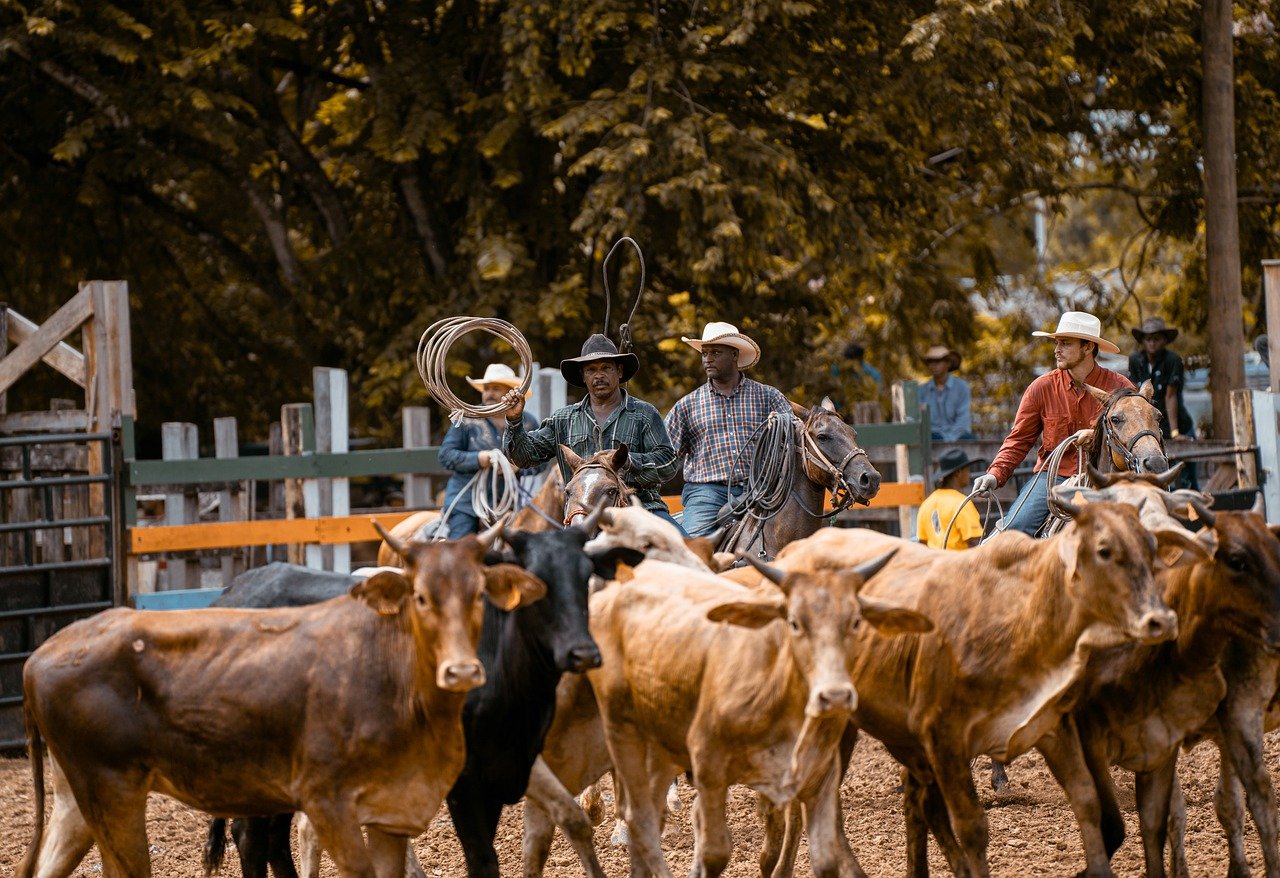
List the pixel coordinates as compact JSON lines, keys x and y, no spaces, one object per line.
{"x":1032,"y":829}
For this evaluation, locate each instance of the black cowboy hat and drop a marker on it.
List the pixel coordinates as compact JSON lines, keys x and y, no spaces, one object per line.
{"x":598,"y":347}
{"x":1153,"y":326}
{"x":953,"y":459}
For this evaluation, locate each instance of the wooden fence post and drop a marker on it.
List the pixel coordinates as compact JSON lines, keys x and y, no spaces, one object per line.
{"x":4,"y":349}
{"x":297,"y":426}
{"x":225,"y":445}
{"x":275,"y":493}
{"x":902,"y":460}
{"x":179,"y":441}
{"x":1271,"y":293}
{"x":332,"y":437}
{"x":1242,"y":433}
{"x":416,"y":430}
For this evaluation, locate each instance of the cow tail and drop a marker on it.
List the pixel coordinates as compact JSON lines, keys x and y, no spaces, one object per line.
{"x":215,"y":846}
{"x":27,"y":867}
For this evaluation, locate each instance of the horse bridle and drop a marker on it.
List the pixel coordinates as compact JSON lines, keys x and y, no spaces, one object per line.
{"x":1125,"y":450}
{"x":624,"y":497}
{"x":841,"y":492}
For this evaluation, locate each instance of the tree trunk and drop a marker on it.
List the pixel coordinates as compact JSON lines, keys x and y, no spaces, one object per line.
{"x":1222,"y":226}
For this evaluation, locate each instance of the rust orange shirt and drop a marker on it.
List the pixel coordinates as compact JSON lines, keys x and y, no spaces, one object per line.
{"x":1054,"y":407}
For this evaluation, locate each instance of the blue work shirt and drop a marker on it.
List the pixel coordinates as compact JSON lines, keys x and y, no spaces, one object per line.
{"x":949,"y":414}
{"x":460,"y":454}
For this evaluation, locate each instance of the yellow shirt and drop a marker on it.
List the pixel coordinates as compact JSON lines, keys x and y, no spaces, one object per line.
{"x":936,"y":513}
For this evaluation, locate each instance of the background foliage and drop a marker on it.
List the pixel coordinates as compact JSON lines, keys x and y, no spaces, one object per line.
{"x":290,"y":184}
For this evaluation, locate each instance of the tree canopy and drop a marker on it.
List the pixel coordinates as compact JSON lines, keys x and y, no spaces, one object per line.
{"x":287,"y":185}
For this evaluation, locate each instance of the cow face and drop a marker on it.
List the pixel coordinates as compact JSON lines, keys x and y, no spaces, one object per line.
{"x":1244,"y":580}
{"x":448,"y":581}
{"x":822,"y":610}
{"x":633,"y":533}
{"x":1107,"y":562}
{"x":557,"y":625}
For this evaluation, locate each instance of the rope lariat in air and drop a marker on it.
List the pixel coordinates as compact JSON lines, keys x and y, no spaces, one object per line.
{"x":434,"y":347}
{"x":624,"y":328}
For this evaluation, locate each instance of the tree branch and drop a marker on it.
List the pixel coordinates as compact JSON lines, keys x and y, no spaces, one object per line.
{"x":410,"y":188}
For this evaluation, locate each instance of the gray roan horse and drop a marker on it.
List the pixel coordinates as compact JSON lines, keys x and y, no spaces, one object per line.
{"x":793,"y":466}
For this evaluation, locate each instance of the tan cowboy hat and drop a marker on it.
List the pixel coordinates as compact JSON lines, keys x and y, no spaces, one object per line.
{"x":495,"y":373}
{"x":726,"y":334}
{"x":1080,"y":324}
{"x":942,"y":352}
{"x":1153,"y":326}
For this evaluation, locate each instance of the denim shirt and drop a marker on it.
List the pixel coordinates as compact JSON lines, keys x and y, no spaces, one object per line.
{"x":949,"y":414}
{"x":460,"y":454}
{"x":652,"y":459}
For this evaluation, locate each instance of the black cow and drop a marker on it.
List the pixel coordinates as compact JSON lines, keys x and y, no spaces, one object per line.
{"x":505,"y":721}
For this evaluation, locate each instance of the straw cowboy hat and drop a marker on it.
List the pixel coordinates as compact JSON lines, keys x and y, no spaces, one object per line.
{"x":953,"y":459}
{"x":598,"y":347}
{"x":1080,"y":324}
{"x":495,"y":373}
{"x":942,"y":352}
{"x":1153,"y":326}
{"x":726,"y":334}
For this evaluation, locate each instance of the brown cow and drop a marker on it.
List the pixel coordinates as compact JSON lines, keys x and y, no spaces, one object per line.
{"x":349,"y":710}
{"x":761,"y":701}
{"x":1158,"y":695}
{"x":1017,"y":620}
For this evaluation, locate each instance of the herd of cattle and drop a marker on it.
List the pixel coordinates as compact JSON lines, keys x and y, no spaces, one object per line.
{"x":514,"y":664}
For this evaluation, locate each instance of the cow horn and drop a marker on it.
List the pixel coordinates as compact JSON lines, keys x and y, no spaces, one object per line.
{"x":717,"y":535}
{"x":487,"y":537}
{"x":1101,"y":479}
{"x":399,"y":546}
{"x":1065,"y":506}
{"x":1202,"y":510}
{"x":1259,"y":504}
{"x":773,"y":574}
{"x":868,"y":569}
{"x":1166,"y":478}
{"x":591,"y":523}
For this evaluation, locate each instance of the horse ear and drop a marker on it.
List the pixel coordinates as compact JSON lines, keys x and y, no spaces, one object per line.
{"x":620,"y":458}
{"x":1101,"y":396}
{"x":828,"y":404}
{"x":1148,"y":390}
{"x":798,"y":410}
{"x":570,"y":458}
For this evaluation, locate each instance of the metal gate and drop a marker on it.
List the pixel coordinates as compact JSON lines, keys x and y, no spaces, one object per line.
{"x":57,"y":545}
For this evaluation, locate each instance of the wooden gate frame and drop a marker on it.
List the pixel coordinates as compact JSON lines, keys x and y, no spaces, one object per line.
{"x":103,"y":368}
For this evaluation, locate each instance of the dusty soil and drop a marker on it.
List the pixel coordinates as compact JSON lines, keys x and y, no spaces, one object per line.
{"x":1032,"y":829}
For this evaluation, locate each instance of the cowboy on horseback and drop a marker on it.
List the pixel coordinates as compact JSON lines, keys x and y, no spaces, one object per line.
{"x":607,"y":417}
{"x":1053,"y":407}
{"x":712,"y":426}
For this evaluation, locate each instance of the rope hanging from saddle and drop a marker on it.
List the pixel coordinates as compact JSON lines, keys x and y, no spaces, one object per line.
{"x":624,"y":328}
{"x":434,"y":347}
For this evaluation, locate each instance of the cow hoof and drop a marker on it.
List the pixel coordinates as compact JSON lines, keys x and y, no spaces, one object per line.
{"x":674,"y":805}
{"x":999,"y":779}
{"x":621,"y":838}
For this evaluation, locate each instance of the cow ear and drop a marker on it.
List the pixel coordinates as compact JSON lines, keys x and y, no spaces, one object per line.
{"x":892,"y":619}
{"x":509,"y":586}
{"x":750,"y":614}
{"x":1274,"y":528}
{"x":385,"y":593}
{"x":1175,"y":547}
{"x":1068,"y":549}
{"x":606,"y":563}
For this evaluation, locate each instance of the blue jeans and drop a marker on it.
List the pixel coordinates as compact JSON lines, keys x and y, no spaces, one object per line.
{"x":665,"y":515}
{"x":702,"y":503}
{"x":1032,"y":504}
{"x":462,"y":522}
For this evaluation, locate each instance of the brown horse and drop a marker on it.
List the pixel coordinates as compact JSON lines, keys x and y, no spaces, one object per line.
{"x":1129,"y":430}
{"x":595,"y":480}
{"x":791,"y":472}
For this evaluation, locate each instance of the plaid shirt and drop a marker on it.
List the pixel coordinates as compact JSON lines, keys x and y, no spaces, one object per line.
{"x":652,"y":460}
{"x":710,"y":429}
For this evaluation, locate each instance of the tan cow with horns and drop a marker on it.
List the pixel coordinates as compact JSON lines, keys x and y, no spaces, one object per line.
{"x":349,"y":710}
{"x":762,"y":700}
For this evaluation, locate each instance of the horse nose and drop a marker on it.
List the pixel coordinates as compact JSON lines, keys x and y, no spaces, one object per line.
{"x":1155,"y":463}
{"x":868,"y":482}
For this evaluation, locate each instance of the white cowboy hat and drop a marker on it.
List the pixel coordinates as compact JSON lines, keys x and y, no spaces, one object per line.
{"x":726,"y":334}
{"x":495,"y":373}
{"x":1081,"y":324}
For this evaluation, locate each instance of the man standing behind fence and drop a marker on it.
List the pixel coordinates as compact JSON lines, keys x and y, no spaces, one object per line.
{"x":469,"y":446}
{"x":1054,"y":406}
{"x":946,"y":396}
{"x":713,"y":426}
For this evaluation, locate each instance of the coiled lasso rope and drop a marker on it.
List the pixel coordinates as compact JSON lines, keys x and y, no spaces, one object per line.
{"x":434,"y":346}
{"x":494,"y":493}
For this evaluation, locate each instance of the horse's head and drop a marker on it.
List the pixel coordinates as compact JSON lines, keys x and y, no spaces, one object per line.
{"x":1129,"y":427}
{"x":596,"y":479}
{"x":833,"y":457}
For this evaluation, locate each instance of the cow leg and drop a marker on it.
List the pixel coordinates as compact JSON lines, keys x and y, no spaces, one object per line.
{"x":774,"y":820}
{"x":338,"y":832}
{"x":67,"y":838}
{"x":1154,"y":789}
{"x":1095,"y":758}
{"x":642,"y":812}
{"x":1064,"y":755}
{"x":475,"y":819}
{"x":1177,"y":832}
{"x":309,"y":849}
{"x":279,"y":856}
{"x":712,"y":844}
{"x":955,"y":782}
{"x":592,"y":803}
{"x":1228,"y":801}
{"x":387,"y":852}
{"x":917,"y":828}
{"x":252,"y":838}
{"x":1244,"y":744}
{"x":119,"y":826}
{"x":549,"y":804}
{"x":826,"y":830}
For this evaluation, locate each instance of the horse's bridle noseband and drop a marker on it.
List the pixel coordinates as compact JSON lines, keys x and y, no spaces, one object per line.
{"x":1112,"y":439}
{"x":841,"y":491}
{"x":623,"y":497}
